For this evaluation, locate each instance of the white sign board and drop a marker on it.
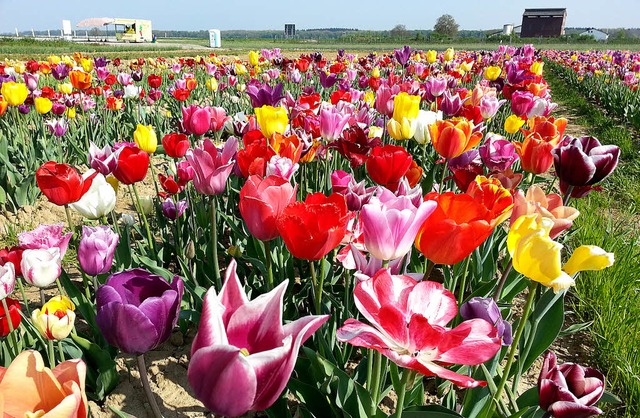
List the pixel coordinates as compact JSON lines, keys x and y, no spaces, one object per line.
{"x":66,"y":28}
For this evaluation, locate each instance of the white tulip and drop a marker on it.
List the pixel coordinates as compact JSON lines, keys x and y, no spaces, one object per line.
{"x":41,"y":267}
{"x":99,"y":200}
{"x":423,"y":121}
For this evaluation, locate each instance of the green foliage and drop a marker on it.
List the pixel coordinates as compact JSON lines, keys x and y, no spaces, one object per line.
{"x":446,"y":25}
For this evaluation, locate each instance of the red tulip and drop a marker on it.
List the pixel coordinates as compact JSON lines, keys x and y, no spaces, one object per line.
{"x":169,"y":184}
{"x":154,"y":81}
{"x":313,"y":228}
{"x":61,"y":183}
{"x":387,"y":164}
{"x":12,"y":255}
{"x":132,"y":165}
{"x":14,"y":313}
{"x":175,"y":144}
{"x":261,"y":203}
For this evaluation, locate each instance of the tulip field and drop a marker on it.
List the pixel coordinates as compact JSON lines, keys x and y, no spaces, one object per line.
{"x":325,"y":234}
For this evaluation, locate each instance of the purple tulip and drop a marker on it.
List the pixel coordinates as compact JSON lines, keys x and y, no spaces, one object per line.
{"x":173,"y":210}
{"x":60,"y":71}
{"x":242,"y":355}
{"x":31,"y":80}
{"x":356,"y":194}
{"x":6,"y":77}
{"x":327,"y":80}
{"x":451,"y":105}
{"x":487,"y":309}
{"x":103,"y":160}
{"x":365,"y":268}
{"x":584,"y":161}
{"x":435,"y":86}
{"x":211,"y":166}
{"x":265,"y":95}
{"x":497,"y":153}
{"x":58,"y":108}
{"x":136,"y":310}
{"x":99,"y":62}
{"x":402,"y":55}
{"x":569,"y":390}
{"x":24,"y":109}
{"x":96,"y":249}
{"x":57,"y":127}
{"x":390,"y":224}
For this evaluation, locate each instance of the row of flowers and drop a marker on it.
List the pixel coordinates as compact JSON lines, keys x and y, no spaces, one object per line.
{"x":385,"y":180}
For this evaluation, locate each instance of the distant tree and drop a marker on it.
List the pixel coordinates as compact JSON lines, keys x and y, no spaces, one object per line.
{"x":446,"y":25}
{"x":399,"y":31}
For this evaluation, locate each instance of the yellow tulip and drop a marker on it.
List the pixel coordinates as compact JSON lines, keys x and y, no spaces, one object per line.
{"x":55,"y":319}
{"x":113,"y":182}
{"x":19,"y":68}
{"x":537,"y":67}
{"x":272,"y":119}
{"x":535,"y":255}
{"x":42,"y":105}
{"x":492,"y":73}
{"x":241,"y":87}
{"x":14,"y":93}
{"x":449,"y":54}
{"x":240,"y":69}
{"x":212,"y":84}
{"x":54,"y":59}
{"x":399,"y":130}
{"x":370,"y":98}
{"x":65,"y":88}
{"x":254,"y":58}
{"x":466,"y":66}
{"x":432,"y":56}
{"x":588,"y":257}
{"x":375,"y":132}
{"x":146,"y":139}
{"x":405,"y":105}
{"x":70,"y":112}
{"x":375,"y":73}
{"x":87,"y":65}
{"x":513,"y":124}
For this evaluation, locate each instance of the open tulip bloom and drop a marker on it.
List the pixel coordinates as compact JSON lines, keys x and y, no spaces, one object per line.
{"x":242,"y":356}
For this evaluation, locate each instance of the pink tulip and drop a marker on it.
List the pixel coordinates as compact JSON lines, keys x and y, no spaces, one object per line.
{"x":408,"y":325}
{"x":390,"y":224}
{"x":262,"y":201}
{"x":218,"y":118}
{"x":212,"y":167}
{"x":546,"y":206}
{"x":242,"y":355}
{"x":45,"y":237}
{"x":196,"y":120}
{"x":332,"y":123}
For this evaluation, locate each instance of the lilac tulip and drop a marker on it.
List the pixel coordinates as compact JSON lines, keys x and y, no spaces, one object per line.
{"x":211,"y":166}
{"x":265,"y":95}
{"x":31,"y":80}
{"x":356,"y":194}
{"x":435,"y":86}
{"x":57,"y":127}
{"x":173,"y":210}
{"x":367,"y":268}
{"x":497,"y":153}
{"x":489,"y":106}
{"x":45,"y":237}
{"x":569,"y":390}
{"x":102,"y":73}
{"x":136,"y":310}
{"x":60,"y":71}
{"x":124,"y":79}
{"x":487,"y":309}
{"x":332,"y":123}
{"x":103,"y":160}
{"x":96,"y":249}
{"x":390,"y":224}
{"x":242,"y":355}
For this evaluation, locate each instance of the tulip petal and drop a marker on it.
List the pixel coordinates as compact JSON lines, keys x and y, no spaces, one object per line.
{"x":126,"y":327}
{"x":431,"y":369}
{"x":232,"y":294}
{"x":211,"y":329}
{"x":73,"y":371}
{"x":298,"y":332}
{"x":588,"y":257}
{"x":564,"y":409}
{"x":434,"y":302}
{"x":362,"y":335}
{"x":472,"y":342}
{"x":223,"y":379}
{"x":36,"y":384}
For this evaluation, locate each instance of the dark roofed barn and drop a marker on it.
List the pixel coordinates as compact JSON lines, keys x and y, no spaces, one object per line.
{"x":543,"y":23}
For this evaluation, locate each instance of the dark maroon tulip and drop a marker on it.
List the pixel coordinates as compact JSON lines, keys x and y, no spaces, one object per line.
{"x":137,"y":310}
{"x":569,"y":390}
{"x":584,"y":161}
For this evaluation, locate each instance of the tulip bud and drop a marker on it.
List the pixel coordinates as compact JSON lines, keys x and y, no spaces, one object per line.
{"x":41,"y":267}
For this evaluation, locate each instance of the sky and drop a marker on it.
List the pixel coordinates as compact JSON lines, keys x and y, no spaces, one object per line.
{"x":311,"y":14}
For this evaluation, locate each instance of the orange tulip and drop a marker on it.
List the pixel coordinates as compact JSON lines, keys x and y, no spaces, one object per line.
{"x":28,"y":388}
{"x":490,"y":193}
{"x":546,"y":206}
{"x":80,"y":79}
{"x":452,"y":137}
{"x":549,"y":129}
{"x":286,"y":146}
{"x":458,"y":226}
{"x":3,"y":106}
{"x":535,"y":153}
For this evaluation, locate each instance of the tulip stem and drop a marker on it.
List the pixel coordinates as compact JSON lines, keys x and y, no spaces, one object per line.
{"x":463,"y":284}
{"x":142,"y":368}
{"x":375,"y":381}
{"x":24,"y":297}
{"x":407,"y":375}
{"x":51,"y":352}
{"x":144,"y":220}
{"x":267,"y":255}
{"x":503,"y":280}
{"x":567,"y":196}
{"x":153,"y":175}
{"x":444,"y":174}
{"x":60,"y":351}
{"x":68,"y":213}
{"x":214,"y":243}
{"x":317,"y":286}
{"x":514,"y":345}
{"x":429,"y":269}
{"x":13,"y":344}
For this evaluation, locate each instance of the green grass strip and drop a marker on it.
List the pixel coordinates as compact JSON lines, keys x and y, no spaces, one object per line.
{"x":610,"y":219}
